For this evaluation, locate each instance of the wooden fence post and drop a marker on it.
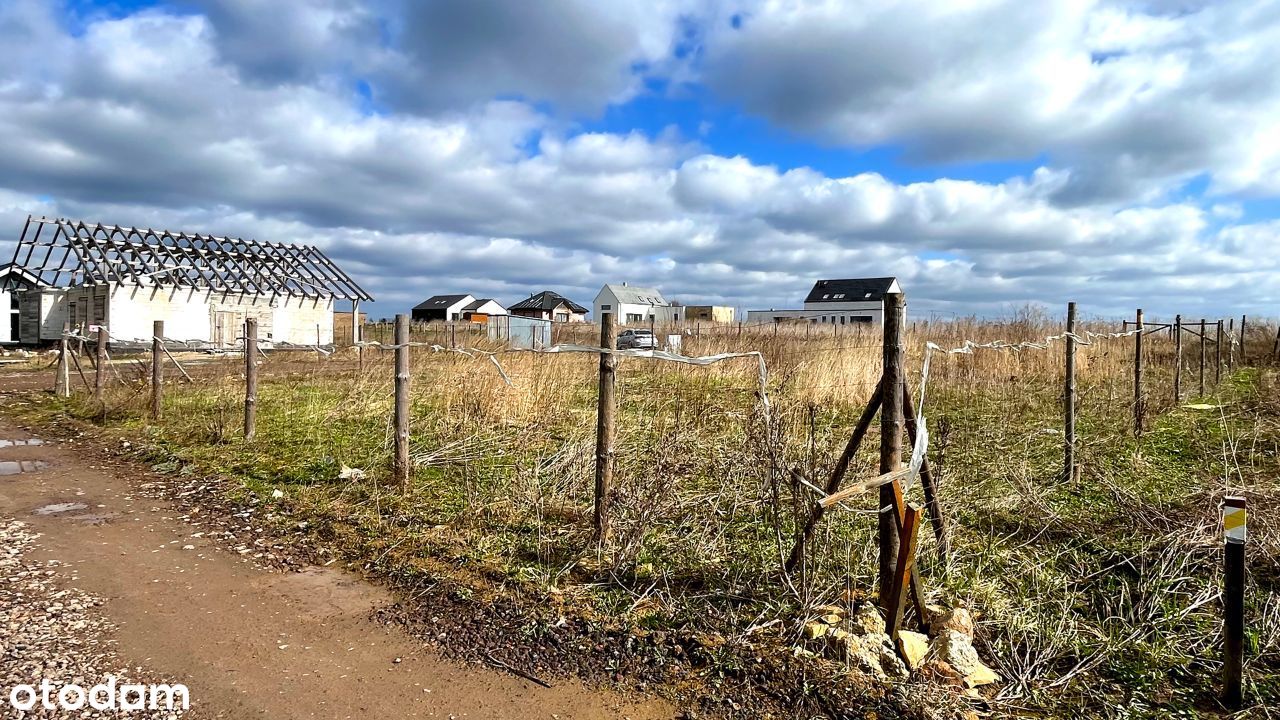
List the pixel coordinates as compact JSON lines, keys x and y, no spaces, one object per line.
{"x":100,"y":372}
{"x":1244,"y":356}
{"x":1177,"y":359}
{"x":250,"y":378}
{"x":1137,"y":376}
{"x":157,"y":369}
{"x":1069,"y":399}
{"x":891,"y":422}
{"x":605,"y":411}
{"x":1231,"y":351}
{"x":1217,"y":357}
{"x":1202,"y":356}
{"x":1234,"y":528}
{"x":400,"y":466}
{"x":1275,"y":347}
{"x":63,"y":382}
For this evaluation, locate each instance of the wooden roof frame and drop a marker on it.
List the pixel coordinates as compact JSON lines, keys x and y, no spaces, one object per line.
{"x":94,"y":253}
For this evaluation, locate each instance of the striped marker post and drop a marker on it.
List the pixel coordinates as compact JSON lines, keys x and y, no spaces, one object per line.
{"x":1234,"y":527}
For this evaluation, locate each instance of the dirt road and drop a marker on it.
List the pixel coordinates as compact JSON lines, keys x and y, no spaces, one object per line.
{"x":246,"y":641}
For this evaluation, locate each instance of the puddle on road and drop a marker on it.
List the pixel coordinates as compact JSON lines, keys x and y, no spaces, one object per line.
{"x":20,"y":443}
{"x":57,"y":508}
{"x":95,"y":518}
{"x":13,"y":467}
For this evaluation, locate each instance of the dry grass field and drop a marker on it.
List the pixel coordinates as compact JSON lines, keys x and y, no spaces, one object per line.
{"x":1097,"y":596}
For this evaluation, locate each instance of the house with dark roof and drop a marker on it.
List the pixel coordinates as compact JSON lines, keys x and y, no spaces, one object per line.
{"x":441,"y":307}
{"x":837,"y":302}
{"x":635,"y":305}
{"x":478,"y":310}
{"x":549,"y":305}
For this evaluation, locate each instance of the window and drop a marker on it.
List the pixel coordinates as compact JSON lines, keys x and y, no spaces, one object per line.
{"x":606,"y":307}
{"x":837,"y":296}
{"x":824,"y":297}
{"x":842,"y":319}
{"x":634,"y":317}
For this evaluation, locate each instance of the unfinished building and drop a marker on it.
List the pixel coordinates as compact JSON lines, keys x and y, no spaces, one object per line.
{"x":77,"y":274}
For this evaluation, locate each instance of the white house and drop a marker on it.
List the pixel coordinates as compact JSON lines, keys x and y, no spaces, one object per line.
{"x":635,"y":305}
{"x":202,"y":287}
{"x":441,"y":307}
{"x":484,"y":307}
{"x":836,"y":302}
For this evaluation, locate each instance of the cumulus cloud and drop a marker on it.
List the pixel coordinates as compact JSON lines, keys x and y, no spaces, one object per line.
{"x":1134,"y":98}
{"x":158,"y":118}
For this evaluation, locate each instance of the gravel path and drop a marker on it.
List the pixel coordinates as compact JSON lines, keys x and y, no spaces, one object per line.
{"x":53,"y":633}
{"x":155,"y":591}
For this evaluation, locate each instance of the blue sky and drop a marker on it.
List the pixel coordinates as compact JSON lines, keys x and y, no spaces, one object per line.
{"x":990,"y":153}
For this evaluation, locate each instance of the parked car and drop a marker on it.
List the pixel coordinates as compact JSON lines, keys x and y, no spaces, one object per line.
{"x":636,"y":340}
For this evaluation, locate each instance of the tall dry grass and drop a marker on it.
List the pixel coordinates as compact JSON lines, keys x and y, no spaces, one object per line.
{"x":706,"y":507}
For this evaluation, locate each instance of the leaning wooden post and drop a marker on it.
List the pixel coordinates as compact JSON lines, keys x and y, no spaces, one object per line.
{"x":250,"y":378}
{"x":1234,"y":528}
{"x":1217,"y":357}
{"x":1069,"y":398}
{"x":1275,"y":347}
{"x":1137,"y":376}
{"x":891,"y":425}
{"x":400,"y":465}
{"x":605,"y":411}
{"x":100,"y":372}
{"x":1177,"y":359}
{"x":837,"y":475}
{"x":927,"y":482}
{"x":157,"y":368}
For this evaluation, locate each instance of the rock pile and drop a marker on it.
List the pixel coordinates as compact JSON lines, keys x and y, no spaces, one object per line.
{"x":858,"y":638}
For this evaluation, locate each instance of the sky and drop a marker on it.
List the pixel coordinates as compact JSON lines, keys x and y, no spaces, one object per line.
{"x":991,"y":154}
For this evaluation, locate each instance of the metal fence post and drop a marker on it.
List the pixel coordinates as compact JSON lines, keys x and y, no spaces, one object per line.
{"x":1137,"y":376}
{"x":1069,"y":398}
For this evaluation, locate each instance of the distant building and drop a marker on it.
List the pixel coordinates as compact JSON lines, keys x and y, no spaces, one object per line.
{"x":836,"y":302}
{"x":441,"y":307}
{"x":635,"y":305}
{"x":548,"y":305}
{"x":482,"y":309}
{"x":708,"y":313}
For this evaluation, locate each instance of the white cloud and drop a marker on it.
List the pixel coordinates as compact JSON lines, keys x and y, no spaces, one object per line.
{"x":150,"y":120}
{"x":1135,"y":99}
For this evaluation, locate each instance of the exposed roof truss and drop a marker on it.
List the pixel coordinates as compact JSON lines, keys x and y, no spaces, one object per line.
{"x":62,"y":252}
